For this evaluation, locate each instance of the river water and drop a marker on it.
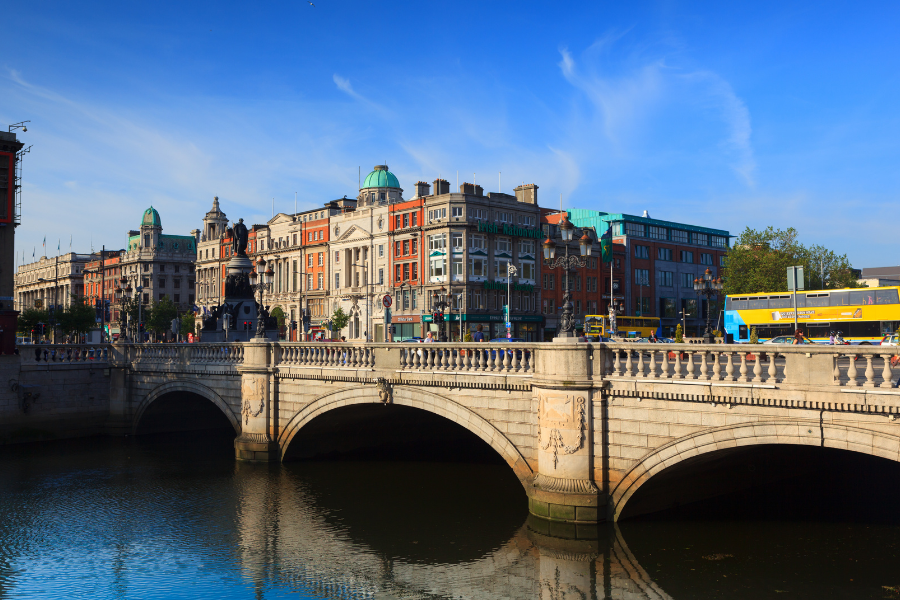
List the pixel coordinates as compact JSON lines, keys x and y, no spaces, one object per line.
{"x":174,"y":516}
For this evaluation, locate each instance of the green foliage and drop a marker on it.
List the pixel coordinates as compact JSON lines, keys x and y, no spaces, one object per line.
{"x":161,"y":315}
{"x":754,"y":337}
{"x":339,"y":319}
{"x":187,"y":324}
{"x":77,"y":318}
{"x":29,"y":319}
{"x":758,"y":262}
{"x":468,"y":336}
{"x":679,"y":335}
{"x":278,"y":313}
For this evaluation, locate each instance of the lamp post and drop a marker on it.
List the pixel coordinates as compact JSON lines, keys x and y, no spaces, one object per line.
{"x":510,"y":273}
{"x":441,"y":300}
{"x":140,"y":302}
{"x":123,"y":293}
{"x":707,"y":286}
{"x":566,"y":230}
{"x":260,"y":283}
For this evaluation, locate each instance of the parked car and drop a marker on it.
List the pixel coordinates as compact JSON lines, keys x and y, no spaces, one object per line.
{"x":891,"y":339}
{"x":784,"y":339}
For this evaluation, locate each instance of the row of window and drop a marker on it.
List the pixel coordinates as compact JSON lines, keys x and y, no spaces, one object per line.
{"x":478,"y":267}
{"x":655,"y":232}
{"x":478,"y":242}
{"x":481,"y":214}
{"x":687,"y":256}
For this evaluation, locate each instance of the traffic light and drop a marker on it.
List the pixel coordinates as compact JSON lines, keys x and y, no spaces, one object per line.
{"x":246,"y":325}
{"x":438,"y":318}
{"x":106,"y":311}
{"x":307,"y":323}
{"x":293,"y":325}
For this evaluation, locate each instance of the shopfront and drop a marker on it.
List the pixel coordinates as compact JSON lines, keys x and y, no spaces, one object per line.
{"x":404,"y":327}
{"x":526,"y":327}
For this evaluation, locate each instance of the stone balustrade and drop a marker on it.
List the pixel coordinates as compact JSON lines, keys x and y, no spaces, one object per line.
{"x":495,"y":357}
{"x":325,"y":355}
{"x":63,"y":354}
{"x":864,"y":367}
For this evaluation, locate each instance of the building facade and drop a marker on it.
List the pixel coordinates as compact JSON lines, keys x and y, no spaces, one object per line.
{"x":161,"y":264}
{"x":661,"y":261}
{"x":51,"y":282}
{"x":469,"y":240}
{"x":10,"y":186}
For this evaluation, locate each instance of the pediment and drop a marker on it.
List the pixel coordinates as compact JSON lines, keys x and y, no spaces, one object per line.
{"x":354,"y":233}
{"x":279,"y":219}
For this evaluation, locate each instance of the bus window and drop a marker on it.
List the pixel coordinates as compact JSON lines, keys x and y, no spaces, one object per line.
{"x":886,"y":297}
{"x":862,"y":297}
{"x":840,"y":298}
{"x":780,"y":302}
{"x":817,"y":300}
{"x":741,"y":304}
{"x":757,"y":303}
{"x":889,"y":327}
{"x":861,"y":329}
{"x":742,"y":332}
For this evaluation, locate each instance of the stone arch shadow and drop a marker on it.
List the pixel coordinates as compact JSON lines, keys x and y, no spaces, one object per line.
{"x":797,"y":433}
{"x":192,"y":387}
{"x":413,"y":398}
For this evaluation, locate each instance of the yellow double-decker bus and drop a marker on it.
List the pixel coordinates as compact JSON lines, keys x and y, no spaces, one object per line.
{"x":636,"y":327}
{"x":862,"y":315}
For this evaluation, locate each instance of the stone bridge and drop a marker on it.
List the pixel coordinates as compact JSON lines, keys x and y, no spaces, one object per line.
{"x":583,"y":426}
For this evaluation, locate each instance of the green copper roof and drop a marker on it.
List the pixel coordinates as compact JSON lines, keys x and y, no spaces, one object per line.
{"x":381,"y":177}
{"x":151,"y":217}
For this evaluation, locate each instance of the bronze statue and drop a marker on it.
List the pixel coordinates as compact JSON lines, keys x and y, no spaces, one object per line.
{"x":239,"y":241}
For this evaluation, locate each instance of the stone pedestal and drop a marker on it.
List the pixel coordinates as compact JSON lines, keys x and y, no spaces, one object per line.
{"x":563,"y":488}
{"x":240,"y":302}
{"x":256,"y":443}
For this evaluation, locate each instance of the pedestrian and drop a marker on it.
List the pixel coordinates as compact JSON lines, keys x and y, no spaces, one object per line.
{"x":831,"y":338}
{"x":429,"y":338}
{"x":479,"y":334}
{"x":798,"y":337}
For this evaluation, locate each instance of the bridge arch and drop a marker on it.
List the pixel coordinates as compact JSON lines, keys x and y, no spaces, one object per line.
{"x":192,"y":387}
{"x":798,"y":433}
{"x":413,"y":398}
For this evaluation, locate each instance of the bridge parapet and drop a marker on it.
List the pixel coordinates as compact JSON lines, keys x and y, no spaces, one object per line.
{"x":63,"y":354}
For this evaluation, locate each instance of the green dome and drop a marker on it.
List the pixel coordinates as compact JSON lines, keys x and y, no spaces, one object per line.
{"x":151,"y":218}
{"x":381,"y":178}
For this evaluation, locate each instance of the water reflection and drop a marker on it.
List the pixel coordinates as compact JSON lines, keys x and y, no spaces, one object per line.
{"x":175,"y":517}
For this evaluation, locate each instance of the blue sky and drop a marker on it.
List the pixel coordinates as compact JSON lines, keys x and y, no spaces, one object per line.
{"x":714,"y":114}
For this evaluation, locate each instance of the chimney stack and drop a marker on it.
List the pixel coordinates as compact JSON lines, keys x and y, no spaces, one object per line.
{"x":527,"y":193}
{"x":422,"y":189}
{"x":441,"y":187}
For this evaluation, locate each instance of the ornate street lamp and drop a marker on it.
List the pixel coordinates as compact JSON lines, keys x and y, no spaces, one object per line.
{"x":264,"y":283}
{"x":708,"y":286}
{"x":123,"y":293}
{"x":566,"y":231}
{"x":440,"y":300}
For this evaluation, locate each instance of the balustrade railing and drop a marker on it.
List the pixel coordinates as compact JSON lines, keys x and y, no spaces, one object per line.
{"x":493,"y":357}
{"x":692,"y":362}
{"x":866,"y":366}
{"x":64,"y":353}
{"x":214,"y":353}
{"x":855,"y":367}
{"x":325,"y":355}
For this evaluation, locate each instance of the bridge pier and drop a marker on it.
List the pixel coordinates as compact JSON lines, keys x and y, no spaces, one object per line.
{"x":256,"y":442}
{"x":563,"y":489}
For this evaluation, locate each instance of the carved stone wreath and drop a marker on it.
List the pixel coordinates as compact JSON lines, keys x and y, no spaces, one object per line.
{"x":247,"y":412}
{"x":555,"y":436}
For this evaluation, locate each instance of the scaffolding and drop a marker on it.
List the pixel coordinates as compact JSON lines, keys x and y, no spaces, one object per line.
{"x":17,"y":186}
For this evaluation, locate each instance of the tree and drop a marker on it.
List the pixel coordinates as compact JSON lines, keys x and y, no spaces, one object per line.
{"x":278,"y":313}
{"x":339,"y":319}
{"x":679,"y":335}
{"x":754,"y":337}
{"x":30,"y":319}
{"x":187,"y":324}
{"x":161,"y":315}
{"x":758,"y":262}
{"x":77,"y":318}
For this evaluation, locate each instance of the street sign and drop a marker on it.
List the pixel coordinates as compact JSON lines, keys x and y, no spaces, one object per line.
{"x":798,"y":281}
{"x":387,"y":301}
{"x":508,"y":324}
